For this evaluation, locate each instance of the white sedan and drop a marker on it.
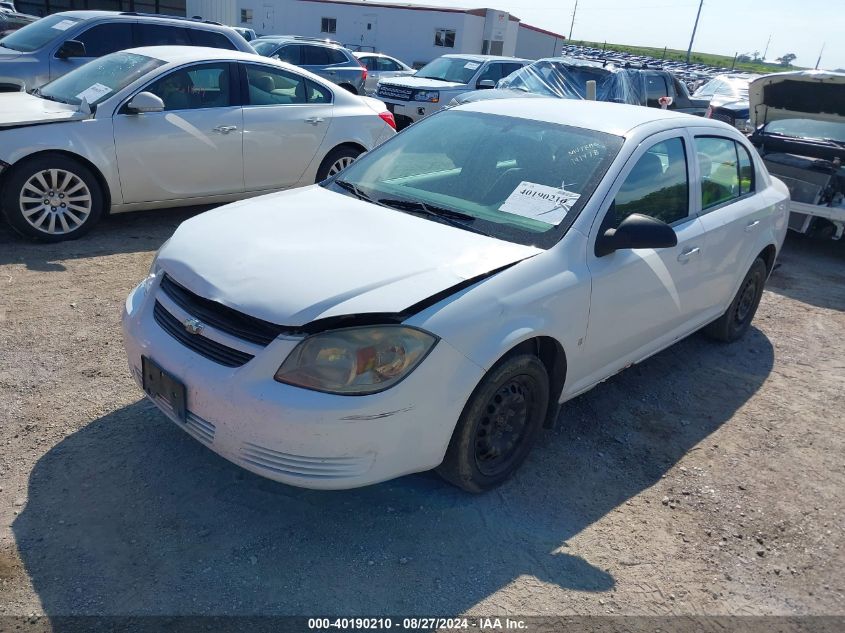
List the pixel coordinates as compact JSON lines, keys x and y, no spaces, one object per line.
{"x":172,"y":126}
{"x":433,"y":304}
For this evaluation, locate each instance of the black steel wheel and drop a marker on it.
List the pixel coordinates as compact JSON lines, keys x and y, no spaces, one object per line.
{"x":736,"y":320}
{"x":498,"y":425}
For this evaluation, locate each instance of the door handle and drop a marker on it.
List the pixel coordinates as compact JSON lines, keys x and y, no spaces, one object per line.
{"x":225,"y":129}
{"x":314,"y":120}
{"x":751,"y":226}
{"x":683,"y":257}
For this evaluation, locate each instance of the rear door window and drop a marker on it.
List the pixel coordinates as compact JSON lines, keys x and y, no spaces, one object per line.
{"x":102,"y":39}
{"x":290,"y":54}
{"x":161,"y":35}
{"x":718,"y":163}
{"x":656,"y":87}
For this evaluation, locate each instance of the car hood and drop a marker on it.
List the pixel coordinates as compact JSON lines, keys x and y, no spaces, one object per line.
{"x":421,"y":83}
{"x":805,"y":94}
{"x":20,"y":108}
{"x":293,"y":257}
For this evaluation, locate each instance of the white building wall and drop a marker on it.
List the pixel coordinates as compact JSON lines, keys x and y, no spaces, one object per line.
{"x":402,"y":32}
{"x":533,"y":44}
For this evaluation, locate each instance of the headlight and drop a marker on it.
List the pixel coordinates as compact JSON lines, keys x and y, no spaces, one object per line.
{"x":432,"y":96}
{"x":154,"y":267}
{"x":356,"y":361}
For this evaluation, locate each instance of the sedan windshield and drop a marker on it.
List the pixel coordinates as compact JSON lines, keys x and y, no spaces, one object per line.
{"x":514,"y":179}
{"x":454,"y":69}
{"x":808,"y":128}
{"x":99,"y":79}
{"x":34,"y":36}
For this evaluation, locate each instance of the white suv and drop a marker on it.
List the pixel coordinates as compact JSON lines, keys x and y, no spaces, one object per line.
{"x":440,"y":81}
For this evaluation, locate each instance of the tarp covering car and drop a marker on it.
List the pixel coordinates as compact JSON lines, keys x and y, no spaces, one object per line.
{"x":567,"y":77}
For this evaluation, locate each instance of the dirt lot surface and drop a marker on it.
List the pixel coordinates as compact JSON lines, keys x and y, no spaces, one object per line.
{"x":708,"y":480}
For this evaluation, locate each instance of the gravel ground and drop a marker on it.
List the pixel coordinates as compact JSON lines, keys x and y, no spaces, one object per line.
{"x":708,"y":480}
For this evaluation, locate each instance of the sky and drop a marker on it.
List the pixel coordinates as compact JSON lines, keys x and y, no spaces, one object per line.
{"x":726,"y":26}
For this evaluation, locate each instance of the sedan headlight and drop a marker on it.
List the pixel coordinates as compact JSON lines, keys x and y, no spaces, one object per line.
{"x":432,"y":96}
{"x":154,"y":267}
{"x":356,"y":361}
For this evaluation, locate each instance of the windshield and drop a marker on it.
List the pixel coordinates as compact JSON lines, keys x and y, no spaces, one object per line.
{"x":808,"y":128}
{"x":450,"y":69}
{"x":737,"y":88}
{"x":264,"y":47}
{"x":99,"y":79}
{"x":34,"y":36}
{"x":514,"y":179}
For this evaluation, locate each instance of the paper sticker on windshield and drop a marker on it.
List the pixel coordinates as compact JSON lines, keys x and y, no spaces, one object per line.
{"x":540,"y":202}
{"x":93,"y":93}
{"x":471,"y":65}
{"x":64,"y":25}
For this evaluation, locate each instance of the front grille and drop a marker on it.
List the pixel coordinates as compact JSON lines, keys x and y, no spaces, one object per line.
{"x":221,"y":317}
{"x":721,"y":116}
{"x":203,"y":346}
{"x":395,"y":92}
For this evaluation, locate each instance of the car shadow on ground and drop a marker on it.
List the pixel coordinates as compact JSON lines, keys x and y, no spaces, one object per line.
{"x":122,"y":233}
{"x":811,"y":270}
{"x":130,"y":515}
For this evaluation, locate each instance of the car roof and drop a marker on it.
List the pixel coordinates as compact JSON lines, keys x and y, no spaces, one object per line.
{"x":187,"y":54}
{"x":134,"y":15}
{"x":484,"y":58}
{"x":613,"y":118}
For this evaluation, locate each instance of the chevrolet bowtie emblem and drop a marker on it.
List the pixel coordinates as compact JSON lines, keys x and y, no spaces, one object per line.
{"x":194,"y":326}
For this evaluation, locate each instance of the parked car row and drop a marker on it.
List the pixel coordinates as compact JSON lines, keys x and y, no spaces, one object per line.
{"x":567,"y":78}
{"x":11,"y":21}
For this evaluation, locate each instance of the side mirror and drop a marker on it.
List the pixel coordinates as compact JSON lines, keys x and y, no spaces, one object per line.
{"x":485,"y":84}
{"x":145,"y":102}
{"x":71,"y":48}
{"x":636,"y":231}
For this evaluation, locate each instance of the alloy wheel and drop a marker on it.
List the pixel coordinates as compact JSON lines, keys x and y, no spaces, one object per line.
{"x":55,"y":201}
{"x":340,"y":164}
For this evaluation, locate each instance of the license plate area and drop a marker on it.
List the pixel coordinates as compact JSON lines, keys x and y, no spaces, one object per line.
{"x":163,"y":387}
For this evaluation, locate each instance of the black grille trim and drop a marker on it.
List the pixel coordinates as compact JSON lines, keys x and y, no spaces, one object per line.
{"x":222,"y":317}
{"x":395,"y":92}
{"x":203,"y":346}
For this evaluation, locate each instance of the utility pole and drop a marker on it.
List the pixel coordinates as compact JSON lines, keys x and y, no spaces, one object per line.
{"x":733,"y":65}
{"x":819,"y":60}
{"x":572,"y":26}
{"x":766,"y":52}
{"x":694,"y":29}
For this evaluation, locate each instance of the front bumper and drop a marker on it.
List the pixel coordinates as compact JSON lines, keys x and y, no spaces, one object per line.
{"x":413,"y":111}
{"x":301,"y":437}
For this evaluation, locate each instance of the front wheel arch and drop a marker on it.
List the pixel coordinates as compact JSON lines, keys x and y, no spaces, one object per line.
{"x":101,"y":179}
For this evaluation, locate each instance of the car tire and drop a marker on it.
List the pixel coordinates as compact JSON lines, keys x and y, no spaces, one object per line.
{"x":350,"y":88}
{"x":52,"y":198}
{"x":337,"y":159}
{"x":499,"y":425}
{"x":736,"y":320}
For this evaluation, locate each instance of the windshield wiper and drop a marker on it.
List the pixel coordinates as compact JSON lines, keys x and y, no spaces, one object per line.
{"x":9,"y":47}
{"x":447,"y":216}
{"x":353,"y":189}
{"x":435,"y":78}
